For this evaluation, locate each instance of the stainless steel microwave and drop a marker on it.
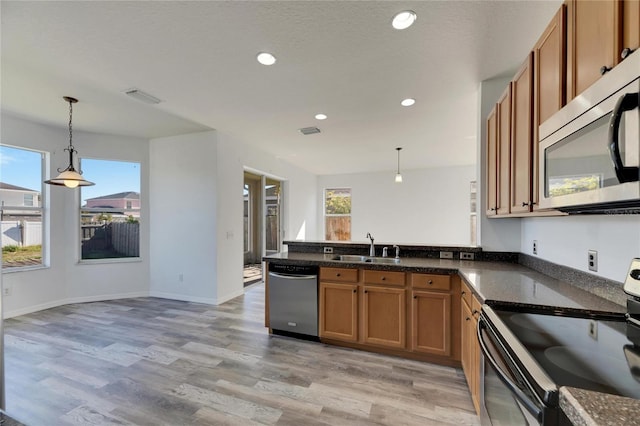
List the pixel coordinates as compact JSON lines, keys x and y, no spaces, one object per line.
{"x":590,"y":149}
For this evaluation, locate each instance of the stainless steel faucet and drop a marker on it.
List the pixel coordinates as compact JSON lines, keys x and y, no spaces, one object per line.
{"x":385,"y":251}
{"x":372,"y":249}
{"x":397,"y":251}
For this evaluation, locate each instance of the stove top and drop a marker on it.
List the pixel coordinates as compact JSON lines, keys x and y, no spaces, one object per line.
{"x":582,"y":352}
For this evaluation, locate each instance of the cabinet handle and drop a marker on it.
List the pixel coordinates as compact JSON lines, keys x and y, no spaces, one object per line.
{"x":475,"y":311}
{"x":626,"y":52}
{"x":604,"y":69}
{"x":338,"y":274}
{"x":383,"y":278}
{"x":493,"y":209}
{"x":355,"y":291}
{"x":464,"y":292}
{"x":467,"y":319}
{"x":525,"y":204}
{"x":366,"y":291}
{"x":430,"y":282}
{"x":415,"y":297}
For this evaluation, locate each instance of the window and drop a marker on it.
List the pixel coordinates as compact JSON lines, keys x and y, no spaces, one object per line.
{"x":21,"y":212}
{"x":110,"y":210}
{"x":337,"y":214}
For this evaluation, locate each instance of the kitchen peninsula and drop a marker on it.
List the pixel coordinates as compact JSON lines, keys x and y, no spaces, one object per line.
{"x":432,"y":297}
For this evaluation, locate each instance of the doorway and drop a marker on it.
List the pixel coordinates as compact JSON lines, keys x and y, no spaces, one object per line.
{"x":262,"y":197}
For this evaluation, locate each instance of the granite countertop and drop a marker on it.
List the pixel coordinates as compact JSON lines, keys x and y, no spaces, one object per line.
{"x":491,"y":281}
{"x":587,"y":408}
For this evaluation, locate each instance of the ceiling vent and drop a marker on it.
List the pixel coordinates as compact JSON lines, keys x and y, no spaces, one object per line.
{"x":142,"y":96}
{"x":309,"y":130}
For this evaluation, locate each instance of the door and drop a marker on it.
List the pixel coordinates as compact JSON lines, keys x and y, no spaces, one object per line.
{"x":339,"y":311}
{"x":504,"y":151}
{"x":492,"y":163}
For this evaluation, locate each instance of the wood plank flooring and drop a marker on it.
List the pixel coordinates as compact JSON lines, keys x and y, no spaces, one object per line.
{"x":149,"y":361}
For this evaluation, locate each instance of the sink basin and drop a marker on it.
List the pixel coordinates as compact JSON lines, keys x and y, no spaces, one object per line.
{"x":350,"y":258}
{"x":365,"y":259}
{"x":385,"y":260}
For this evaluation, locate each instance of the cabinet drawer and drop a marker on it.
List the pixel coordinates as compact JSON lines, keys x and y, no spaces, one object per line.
{"x":344,"y":275}
{"x":383,"y":277}
{"x":430,"y":281}
{"x":476,"y":307}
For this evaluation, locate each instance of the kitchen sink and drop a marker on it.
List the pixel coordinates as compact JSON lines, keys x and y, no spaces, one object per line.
{"x":365,"y":259}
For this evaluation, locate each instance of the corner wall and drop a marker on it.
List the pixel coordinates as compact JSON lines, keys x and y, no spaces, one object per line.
{"x":66,"y":280}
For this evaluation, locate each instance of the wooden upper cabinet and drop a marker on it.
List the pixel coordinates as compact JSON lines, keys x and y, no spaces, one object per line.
{"x":504,"y":151}
{"x":630,"y":24}
{"x":492,"y":163}
{"x":593,"y":41}
{"x":550,"y":70}
{"x":521,"y":138}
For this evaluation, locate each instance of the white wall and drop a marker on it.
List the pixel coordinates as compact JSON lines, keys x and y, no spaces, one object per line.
{"x":430,"y":206}
{"x":565,"y":240}
{"x":66,"y":280}
{"x":209,"y":176}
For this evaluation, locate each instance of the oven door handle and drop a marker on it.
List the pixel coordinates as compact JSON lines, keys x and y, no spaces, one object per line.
{"x":627,"y":102}
{"x":529,"y":405}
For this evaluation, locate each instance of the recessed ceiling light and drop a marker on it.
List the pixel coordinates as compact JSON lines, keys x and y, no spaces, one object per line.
{"x":404,"y":19}
{"x":266,"y":58}
{"x":321,"y":116}
{"x":408,"y":102}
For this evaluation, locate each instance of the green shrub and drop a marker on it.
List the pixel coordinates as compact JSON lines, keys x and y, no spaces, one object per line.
{"x":10,"y":249}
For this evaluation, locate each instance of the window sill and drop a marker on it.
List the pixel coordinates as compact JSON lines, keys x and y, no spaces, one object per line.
{"x":110,"y":260}
{"x":24,"y":269}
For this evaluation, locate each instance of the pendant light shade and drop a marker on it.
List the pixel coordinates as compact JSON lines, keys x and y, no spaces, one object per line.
{"x":69,"y":177}
{"x":398,"y":175}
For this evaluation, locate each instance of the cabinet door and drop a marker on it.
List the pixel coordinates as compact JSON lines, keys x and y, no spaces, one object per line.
{"x":492,"y":163}
{"x":339,"y":311}
{"x":550,"y":69}
{"x":630,"y":24}
{"x":471,"y":354}
{"x":594,"y":39}
{"x":384,"y":316}
{"x":522,"y":138}
{"x":504,"y":151}
{"x":431,"y":322}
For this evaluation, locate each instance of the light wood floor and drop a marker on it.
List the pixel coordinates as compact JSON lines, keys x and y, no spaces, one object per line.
{"x":149,"y":361}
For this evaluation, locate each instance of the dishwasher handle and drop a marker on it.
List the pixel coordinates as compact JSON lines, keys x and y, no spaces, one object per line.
{"x":292,"y":276}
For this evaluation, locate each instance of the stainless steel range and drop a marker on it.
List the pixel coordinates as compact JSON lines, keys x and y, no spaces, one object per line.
{"x":531,"y":351}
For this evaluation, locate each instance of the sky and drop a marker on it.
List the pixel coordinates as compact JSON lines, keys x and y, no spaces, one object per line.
{"x":21,"y":167}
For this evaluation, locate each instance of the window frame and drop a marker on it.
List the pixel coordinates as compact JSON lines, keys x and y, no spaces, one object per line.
{"x":43,"y":209}
{"x":97,"y":210}
{"x":325,"y":215}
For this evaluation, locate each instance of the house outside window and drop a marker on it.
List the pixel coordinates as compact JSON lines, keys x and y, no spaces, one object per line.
{"x":337,"y":214}
{"x":21,"y":211}
{"x":110,"y":212}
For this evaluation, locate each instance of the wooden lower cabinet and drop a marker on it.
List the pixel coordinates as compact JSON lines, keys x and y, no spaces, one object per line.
{"x":470,"y":347}
{"x":431,"y":322}
{"x":383,"y":316}
{"x":338,"y":314}
{"x":411,"y":315}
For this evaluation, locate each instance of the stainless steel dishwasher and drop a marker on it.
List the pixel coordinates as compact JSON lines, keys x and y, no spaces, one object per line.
{"x":293,"y":299}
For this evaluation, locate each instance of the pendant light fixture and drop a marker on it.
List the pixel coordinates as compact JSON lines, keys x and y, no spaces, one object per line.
{"x":398,"y":175}
{"x":69,"y":177}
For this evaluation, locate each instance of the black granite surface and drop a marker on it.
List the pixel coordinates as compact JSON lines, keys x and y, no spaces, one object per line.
{"x":493,"y":282}
{"x":587,"y":408}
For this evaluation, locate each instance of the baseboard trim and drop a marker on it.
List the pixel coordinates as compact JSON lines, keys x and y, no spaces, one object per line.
{"x":183,"y":297}
{"x":84,"y":299}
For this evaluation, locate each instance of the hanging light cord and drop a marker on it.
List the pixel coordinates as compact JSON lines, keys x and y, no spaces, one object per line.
{"x":71,"y":149}
{"x":398,"y":149}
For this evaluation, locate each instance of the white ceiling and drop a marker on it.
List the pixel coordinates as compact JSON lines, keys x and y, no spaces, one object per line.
{"x":341,"y":58}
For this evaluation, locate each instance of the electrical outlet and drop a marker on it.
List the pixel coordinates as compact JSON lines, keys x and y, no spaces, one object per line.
{"x":535,"y":246}
{"x":593,"y":329}
{"x":592,"y":259}
{"x":6,"y":291}
{"x":466,"y":256}
{"x":446,"y":255}
{"x":328,"y":250}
